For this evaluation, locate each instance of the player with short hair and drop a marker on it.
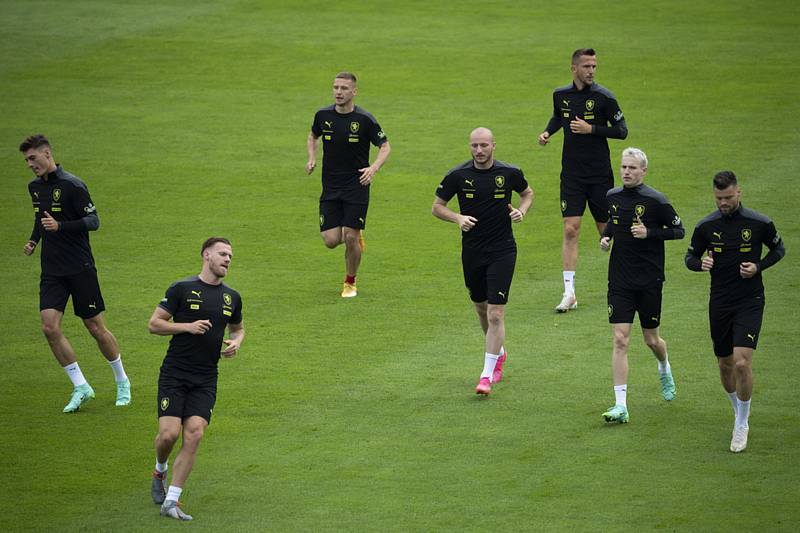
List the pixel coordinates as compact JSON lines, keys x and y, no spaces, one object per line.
{"x":346,"y":131}
{"x":63,"y":217}
{"x":589,"y":114}
{"x":489,"y":252}
{"x":195,"y":311}
{"x":733,"y":237}
{"x":640,"y":220}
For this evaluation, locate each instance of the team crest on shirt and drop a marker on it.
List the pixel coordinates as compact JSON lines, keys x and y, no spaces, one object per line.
{"x":354,"y":127}
{"x":746,"y":234}
{"x":226,"y":298}
{"x":499,"y":181}
{"x":56,"y":195}
{"x":589,"y":105}
{"x":563,"y":205}
{"x":639,"y":210}
{"x":164,"y":403}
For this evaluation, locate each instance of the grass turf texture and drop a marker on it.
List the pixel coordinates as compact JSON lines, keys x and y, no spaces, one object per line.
{"x":188,"y":119}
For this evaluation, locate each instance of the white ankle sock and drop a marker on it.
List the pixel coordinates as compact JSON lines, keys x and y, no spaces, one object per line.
{"x":75,"y":374}
{"x":569,"y":281}
{"x":734,"y":402}
{"x":489,"y":361}
{"x":174,"y":493}
{"x":663,"y":366}
{"x":621,"y":394}
{"x":743,"y":413}
{"x":162,"y":467}
{"x":119,"y":371}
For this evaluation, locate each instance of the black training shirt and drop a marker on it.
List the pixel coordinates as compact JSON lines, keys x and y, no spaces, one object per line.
{"x":585,"y":156}
{"x":485,"y":195}
{"x":192,"y":299}
{"x":345,"y":141}
{"x":66,"y":198}
{"x":734,"y":239}
{"x":639,"y":263}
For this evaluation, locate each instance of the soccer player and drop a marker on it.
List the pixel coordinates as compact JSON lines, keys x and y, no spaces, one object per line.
{"x":489,"y":252}
{"x":346,"y":131}
{"x":640,"y":220}
{"x":589,"y":114}
{"x":733,"y":236}
{"x":63,"y":217}
{"x":195,"y":311}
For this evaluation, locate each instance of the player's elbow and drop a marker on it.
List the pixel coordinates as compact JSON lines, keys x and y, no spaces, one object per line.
{"x":153,"y":326}
{"x":623,"y":131}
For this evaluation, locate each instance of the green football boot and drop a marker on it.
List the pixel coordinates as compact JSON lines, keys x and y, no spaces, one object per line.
{"x":618,"y":413}
{"x":80,"y":395}
{"x":668,"y":386}
{"x":123,"y":393}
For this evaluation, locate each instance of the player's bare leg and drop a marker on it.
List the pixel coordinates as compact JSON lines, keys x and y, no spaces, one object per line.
{"x":743,"y":371}
{"x":619,"y":369}
{"x":169,"y":429}
{"x":193,"y":429}
{"x":352,"y":260}
{"x":569,"y":261}
{"x":110,"y":350}
{"x":332,"y":237}
{"x":658,"y":346}
{"x":59,"y":345}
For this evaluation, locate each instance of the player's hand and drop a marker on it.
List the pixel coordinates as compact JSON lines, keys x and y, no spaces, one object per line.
{"x":29,"y":247}
{"x":708,"y":262}
{"x":366,"y":175}
{"x":544,"y":138}
{"x":580,"y":126}
{"x":638,"y":230}
{"x":466,"y":223}
{"x":605,"y":243}
{"x":232,"y":346}
{"x":48,"y":222}
{"x":748,"y":270}
{"x":310,"y":166}
{"x":515,"y":214}
{"x":198,"y":327}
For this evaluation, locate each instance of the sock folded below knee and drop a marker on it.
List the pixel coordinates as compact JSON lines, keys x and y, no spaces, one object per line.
{"x":489,"y":362}
{"x":621,"y":394}
{"x":75,"y":375}
{"x":118,"y":369}
{"x":174,"y":493}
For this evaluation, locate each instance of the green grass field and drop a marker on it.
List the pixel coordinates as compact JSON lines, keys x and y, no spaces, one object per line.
{"x":189,"y":118}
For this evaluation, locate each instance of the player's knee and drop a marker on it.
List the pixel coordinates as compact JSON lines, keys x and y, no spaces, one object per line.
{"x":742,"y":366}
{"x":571,"y":231}
{"x":168,"y":436}
{"x":330,"y":242}
{"x":51,"y":330}
{"x":351,"y":238}
{"x":96,"y":329}
{"x":621,"y":340}
{"x":652,"y":342}
{"x":192,"y":435}
{"x":495,"y":317}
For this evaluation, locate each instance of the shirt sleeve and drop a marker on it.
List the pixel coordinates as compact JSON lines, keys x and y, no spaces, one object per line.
{"x":520,"y":184}
{"x":774,"y":242}
{"x":447,"y":188}
{"x":670,"y":225}
{"x":82,"y":205}
{"x":172,"y":299}
{"x":236,"y":317}
{"x":696,"y":249}
{"x":315,"y":129}
{"x":617,"y":129}
{"x":555,"y":119}
{"x":376,"y":135}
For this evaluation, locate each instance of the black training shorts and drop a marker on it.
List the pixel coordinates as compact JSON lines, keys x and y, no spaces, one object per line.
{"x":87,"y":301}
{"x":346,"y":208}
{"x":624,"y":303}
{"x":488,"y":275}
{"x":735,"y":325}
{"x":183,"y":395}
{"x":575,"y":194}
